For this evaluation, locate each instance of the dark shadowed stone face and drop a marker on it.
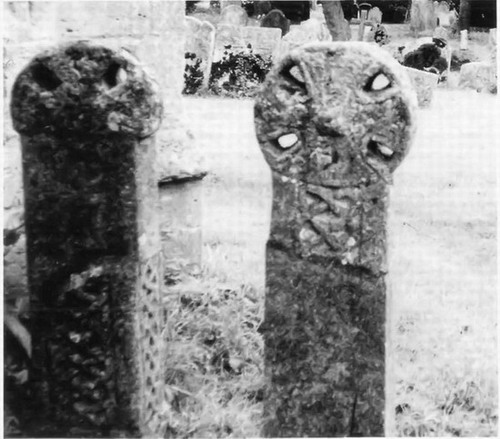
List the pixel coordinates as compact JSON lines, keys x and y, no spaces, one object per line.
{"x":85,"y":89}
{"x":336,"y":115}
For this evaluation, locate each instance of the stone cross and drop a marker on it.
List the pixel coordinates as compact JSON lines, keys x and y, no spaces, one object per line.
{"x":333,"y":120}
{"x":87,"y":115}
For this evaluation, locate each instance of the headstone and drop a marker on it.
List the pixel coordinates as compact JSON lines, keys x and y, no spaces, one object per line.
{"x":262,"y":41}
{"x":332,"y":128}
{"x":199,"y":48}
{"x":464,"y":39}
{"x":225,"y":3}
{"x":276,"y":19}
{"x":375,"y":15}
{"x":424,"y":84}
{"x":443,"y":14}
{"x":86,"y":115}
{"x":308,"y":31}
{"x":492,"y":45}
{"x":234,"y":16}
{"x":423,"y":18}
{"x":362,"y":22}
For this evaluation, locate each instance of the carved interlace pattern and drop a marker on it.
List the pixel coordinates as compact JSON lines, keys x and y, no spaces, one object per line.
{"x":148,"y":320}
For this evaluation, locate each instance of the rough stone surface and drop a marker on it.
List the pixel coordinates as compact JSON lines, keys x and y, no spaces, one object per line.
{"x":333,"y":120}
{"x":424,"y":84}
{"x":200,"y":37}
{"x":233,"y":15}
{"x":86,"y":115}
{"x":277,"y":19}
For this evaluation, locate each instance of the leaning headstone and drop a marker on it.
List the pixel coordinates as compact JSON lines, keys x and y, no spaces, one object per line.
{"x":199,"y":48}
{"x":86,"y":115}
{"x":375,"y":15}
{"x":333,"y":128}
{"x":277,"y":19}
{"x":233,"y":15}
{"x":424,"y":84}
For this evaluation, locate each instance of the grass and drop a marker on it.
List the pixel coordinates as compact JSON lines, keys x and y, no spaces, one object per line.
{"x":214,"y":358}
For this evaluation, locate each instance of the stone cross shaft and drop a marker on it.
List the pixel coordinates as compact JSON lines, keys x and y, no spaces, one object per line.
{"x":86,"y":116}
{"x":333,"y":120}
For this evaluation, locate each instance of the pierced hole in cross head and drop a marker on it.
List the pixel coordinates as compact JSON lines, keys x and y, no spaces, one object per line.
{"x":380,"y":150}
{"x":114,"y":75}
{"x":378,"y":82}
{"x":294,"y":74}
{"x":45,"y":77}
{"x":335,"y":157}
{"x":287,"y":140}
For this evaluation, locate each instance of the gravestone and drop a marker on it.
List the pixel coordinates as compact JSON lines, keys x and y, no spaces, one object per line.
{"x":234,"y":16}
{"x":199,"y":48}
{"x":424,"y":84}
{"x":86,"y":115}
{"x":423,"y":18}
{"x":375,"y":15}
{"x":335,"y":21}
{"x":443,"y":14}
{"x":492,"y":45}
{"x":333,"y":120}
{"x":225,"y":3}
{"x":309,"y":31}
{"x":276,"y":19}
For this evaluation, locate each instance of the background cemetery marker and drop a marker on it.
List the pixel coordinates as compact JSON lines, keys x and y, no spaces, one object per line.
{"x":332,"y":146}
{"x":86,"y":115}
